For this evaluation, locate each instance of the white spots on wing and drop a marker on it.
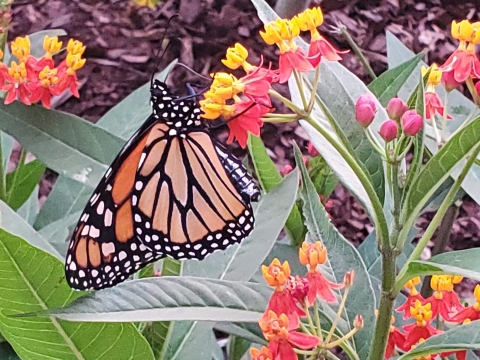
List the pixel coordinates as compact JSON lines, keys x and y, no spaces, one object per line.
{"x":155,"y":237}
{"x":107,"y":249}
{"x":100,"y":208}
{"x":172,"y":132}
{"x":81,"y":273}
{"x":133,"y":246}
{"x":241,"y":220}
{"x":185,"y":109}
{"x":139,"y":231}
{"x":85,"y":230}
{"x":134,"y":200}
{"x":109,"y":171}
{"x":138,"y":185}
{"x":108,"y":219}
{"x":109,"y":187}
{"x":94,"y":198}
{"x":143,"y":247}
{"x":94,"y":273}
{"x":122,"y":255}
{"x":248,"y":227}
{"x":136,"y":258}
{"x":138,"y":218}
{"x":225,"y":242}
{"x":73,"y":266}
{"x":238,"y":233}
{"x":142,"y":159}
{"x":94,"y":232}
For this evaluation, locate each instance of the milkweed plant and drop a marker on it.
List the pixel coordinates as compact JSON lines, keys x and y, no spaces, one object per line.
{"x":296,"y":288}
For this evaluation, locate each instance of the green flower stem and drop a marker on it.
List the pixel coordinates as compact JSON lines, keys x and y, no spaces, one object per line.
{"x":330,"y":356}
{"x":402,"y":277}
{"x":299,"y":81}
{"x":314,"y":90}
{"x":373,"y":141}
{"x":397,"y":203}
{"x":382,"y":325}
{"x":317,"y":321}
{"x":342,"y":340}
{"x":337,"y":317}
{"x":438,"y":137}
{"x":344,"y":32}
{"x":310,"y":321}
{"x":21,"y":162}
{"x":304,"y":328}
{"x":473,"y":91}
{"x":379,"y":218}
{"x":444,"y":118}
{"x":305,"y":352}
{"x":286,"y":101}
{"x":3,"y":180}
{"x":407,"y":148}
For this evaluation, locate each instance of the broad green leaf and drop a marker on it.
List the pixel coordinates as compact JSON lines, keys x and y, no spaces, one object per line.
{"x":33,"y":281}
{"x":22,"y":181}
{"x":29,"y":210}
{"x":269,"y":177}
{"x":343,"y":257}
{"x":459,"y":338}
{"x":248,"y":331}
{"x":70,"y":196}
{"x":273,"y":211}
{"x":13,"y":223}
{"x":463,"y":262}
{"x":237,"y":347}
{"x":171,"y":298}
{"x":439,"y":168}
{"x":387,"y":85}
{"x":65,"y":143}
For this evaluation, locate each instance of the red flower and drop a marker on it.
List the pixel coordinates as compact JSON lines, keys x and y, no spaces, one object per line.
{"x":444,"y":300}
{"x":433,"y":105}
{"x":264,"y":354}
{"x":463,"y":63}
{"x":413,"y":296}
{"x":282,"y":302}
{"x":290,"y":60}
{"x":44,"y":87}
{"x":248,"y":119}
{"x":471,"y":313}
{"x":281,"y":335}
{"x":322,"y":49}
{"x":16,"y":83}
{"x":395,"y":338}
{"x":421,"y":329}
{"x":67,"y":73}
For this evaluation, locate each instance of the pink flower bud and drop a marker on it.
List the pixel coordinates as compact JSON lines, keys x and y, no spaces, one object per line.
{"x":358,"y":322}
{"x":396,"y":107}
{"x":448,"y":80}
{"x":349,"y":276}
{"x":412,"y":123}
{"x":287,"y":169}
{"x":389,"y":130}
{"x":365,"y":109}
{"x":311,"y":150}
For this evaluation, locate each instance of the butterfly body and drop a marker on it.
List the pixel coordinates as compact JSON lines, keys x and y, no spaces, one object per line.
{"x":172,"y":191}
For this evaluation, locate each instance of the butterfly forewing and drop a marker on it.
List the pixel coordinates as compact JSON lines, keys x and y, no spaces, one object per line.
{"x":172,"y":191}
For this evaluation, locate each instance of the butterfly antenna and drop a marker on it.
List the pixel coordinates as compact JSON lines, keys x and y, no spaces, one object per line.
{"x":157,"y":55}
{"x":193,"y":71}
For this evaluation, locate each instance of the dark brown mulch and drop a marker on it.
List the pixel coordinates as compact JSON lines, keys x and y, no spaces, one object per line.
{"x":123,"y":39}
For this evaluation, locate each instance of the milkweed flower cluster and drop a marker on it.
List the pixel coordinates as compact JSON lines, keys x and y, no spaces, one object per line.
{"x":442,"y":305}
{"x":290,"y":302}
{"x":245,"y":101}
{"x":29,"y":79}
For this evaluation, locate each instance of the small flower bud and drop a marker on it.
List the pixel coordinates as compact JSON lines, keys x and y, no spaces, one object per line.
{"x":358,"y":322}
{"x":287,"y":169}
{"x":349,"y":276}
{"x":365,"y":109}
{"x":158,"y":273}
{"x":389,"y":130}
{"x":449,"y":82}
{"x":312,"y":151}
{"x":412,"y":123}
{"x":396,"y":107}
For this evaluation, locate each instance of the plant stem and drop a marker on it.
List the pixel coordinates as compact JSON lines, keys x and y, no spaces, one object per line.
{"x":397,"y":203}
{"x":317,"y":321}
{"x":337,"y":317}
{"x":373,"y":141}
{"x":298,"y":80}
{"x":314,"y":90}
{"x":422,"y":243}
{"x":286,"y":101}
{"x":382,"y":325}
{"x":310,"y":321}
{"x":444,"y":118}
{"x":343,"y":30}
{"x":21,"y":162}
{"x":379,"y":220}
{"x":3,"y":181}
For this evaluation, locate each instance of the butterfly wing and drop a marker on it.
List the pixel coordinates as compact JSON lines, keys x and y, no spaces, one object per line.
{"x":103,"y":249}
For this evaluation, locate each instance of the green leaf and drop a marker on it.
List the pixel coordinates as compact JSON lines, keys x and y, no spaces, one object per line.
{"x":7,"y":352}
{"x":33,"y":281}
{"x":439,"y":168}
{"x":464,"y":263}
{"x":22,"y":181}
{"x":237,"y":347}
{"x":248,"y":331}
{"x":171,"y":298}
{"x":459,"y":338}
{"x":29,"y":210}
{"x":387,"y":85}
{"x":343,"y":257}
{"x":65,"y":143}
{"x":12,"y":222}
{"x":269,"y":177}
{"x":7,"y":145}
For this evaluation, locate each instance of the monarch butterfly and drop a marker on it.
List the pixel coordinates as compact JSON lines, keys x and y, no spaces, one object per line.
{"x":171,"y":191}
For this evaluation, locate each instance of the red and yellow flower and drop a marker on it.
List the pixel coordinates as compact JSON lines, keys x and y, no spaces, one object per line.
{"x":433,"y":103}
{"x":413,"y":296}
{"x":282,"y":337}
{"x":263,"y":354}
{"x":463,"y":61}
{"x":314,"y":255}
{"x":470,"y":313}
{"x":444,"y":300}
{"x":421,"y":329}
{"x":395,"y":339}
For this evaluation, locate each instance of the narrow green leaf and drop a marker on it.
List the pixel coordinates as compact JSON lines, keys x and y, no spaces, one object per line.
{"x":440,"y":166}
{"x":171,"y":298}
{"x":237,"y":347}
{"x":344,"y":258}
{"x":30,"y":208}
{"x":33,"y":281}
{"x":387,"y":85}
{"x":459,"y":338}
{"x":22,"y":181}
{"x":248,"y":331}
{"x":269,"y":177}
